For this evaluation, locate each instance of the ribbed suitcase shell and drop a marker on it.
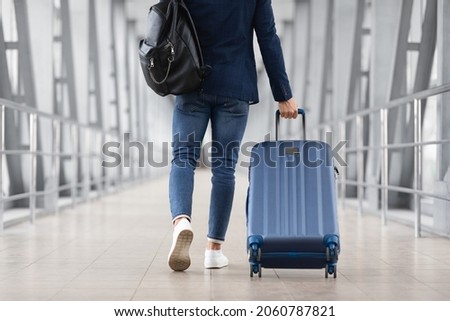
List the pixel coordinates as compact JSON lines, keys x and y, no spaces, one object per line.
{"x":291,"y":205}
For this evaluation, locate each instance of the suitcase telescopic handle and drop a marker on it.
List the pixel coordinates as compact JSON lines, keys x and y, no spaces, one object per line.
{"x":277,"y":122}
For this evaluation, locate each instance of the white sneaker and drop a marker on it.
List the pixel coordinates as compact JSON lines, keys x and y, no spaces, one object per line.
{"x":215,"y":259}
{"x":179,"y":259}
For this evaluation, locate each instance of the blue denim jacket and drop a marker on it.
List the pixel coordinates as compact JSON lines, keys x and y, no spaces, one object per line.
{"x":225,"y":29}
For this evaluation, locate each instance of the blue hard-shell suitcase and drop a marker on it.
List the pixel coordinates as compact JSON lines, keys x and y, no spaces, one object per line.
{"x":291,"y":206}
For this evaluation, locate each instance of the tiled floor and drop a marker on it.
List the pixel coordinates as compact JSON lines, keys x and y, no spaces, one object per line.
{"x":116,"y":249}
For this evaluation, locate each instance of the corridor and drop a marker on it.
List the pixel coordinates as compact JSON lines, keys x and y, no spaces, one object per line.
{"x":115,"y":248}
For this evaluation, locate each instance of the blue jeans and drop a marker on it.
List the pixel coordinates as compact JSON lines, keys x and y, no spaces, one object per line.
{"x":191,"y":116}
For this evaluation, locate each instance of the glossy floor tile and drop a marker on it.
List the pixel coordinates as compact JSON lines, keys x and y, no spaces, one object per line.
{"x":115,"y":248}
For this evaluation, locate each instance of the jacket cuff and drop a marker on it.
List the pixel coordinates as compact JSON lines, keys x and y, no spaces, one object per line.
{"x":283,"y":93}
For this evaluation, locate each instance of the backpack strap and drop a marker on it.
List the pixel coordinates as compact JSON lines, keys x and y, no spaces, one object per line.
{"x":206,"y":69}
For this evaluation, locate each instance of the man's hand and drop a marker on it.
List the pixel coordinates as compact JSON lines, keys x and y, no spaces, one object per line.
{"x":288,"y":109}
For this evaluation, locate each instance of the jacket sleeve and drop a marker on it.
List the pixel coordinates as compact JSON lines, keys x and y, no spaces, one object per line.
{"x":272,"y":54}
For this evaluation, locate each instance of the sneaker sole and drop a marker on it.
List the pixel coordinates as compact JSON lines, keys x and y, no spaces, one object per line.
{"x":215,"y":267}
{"x":210,"y":264}
{"x":179,"y":259}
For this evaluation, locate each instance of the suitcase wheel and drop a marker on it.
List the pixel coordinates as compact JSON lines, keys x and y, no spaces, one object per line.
{"x":254,"y":254}
{"x":255,"y":269}
{"x":331,"y":269}
{"x":255,"y":259}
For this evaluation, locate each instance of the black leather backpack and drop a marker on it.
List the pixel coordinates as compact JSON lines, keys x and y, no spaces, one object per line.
{"x":170,"y":54}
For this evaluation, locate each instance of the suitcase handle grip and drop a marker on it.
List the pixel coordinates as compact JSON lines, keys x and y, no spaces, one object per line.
{"x":277,"y":122}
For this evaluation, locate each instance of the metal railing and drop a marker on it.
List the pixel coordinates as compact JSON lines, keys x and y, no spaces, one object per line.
{"x":384,"y":147}
{"x":79,"y":151}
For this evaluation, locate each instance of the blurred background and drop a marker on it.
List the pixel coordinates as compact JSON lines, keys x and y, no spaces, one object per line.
{"x":372,"y":73}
